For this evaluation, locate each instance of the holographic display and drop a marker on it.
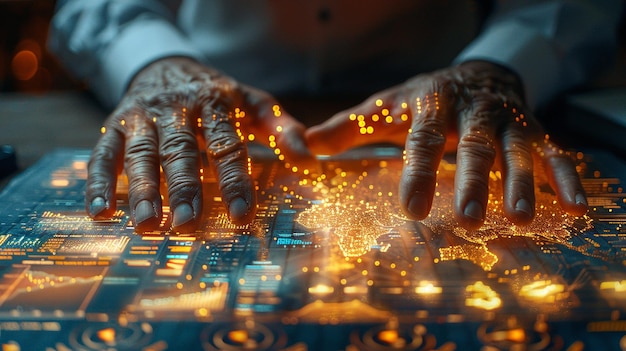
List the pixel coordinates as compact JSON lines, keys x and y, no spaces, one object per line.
{"x":329,"y":263}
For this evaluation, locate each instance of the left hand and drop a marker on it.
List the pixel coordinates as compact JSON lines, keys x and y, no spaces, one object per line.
{"x":485,"y":103}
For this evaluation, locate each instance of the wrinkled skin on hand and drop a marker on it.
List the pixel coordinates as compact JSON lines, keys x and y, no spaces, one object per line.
{"x":174,"y":108}
{"x":476,"y":108}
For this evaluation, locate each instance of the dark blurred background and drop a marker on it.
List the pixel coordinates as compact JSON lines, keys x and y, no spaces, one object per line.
{"x":26,"y":66}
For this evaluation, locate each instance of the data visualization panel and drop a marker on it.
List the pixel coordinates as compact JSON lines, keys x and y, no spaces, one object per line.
{"x":329,"y":263}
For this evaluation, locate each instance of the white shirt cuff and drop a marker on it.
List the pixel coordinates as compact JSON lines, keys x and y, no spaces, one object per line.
{"x":138,"y":45}
{"x":522,"y":50}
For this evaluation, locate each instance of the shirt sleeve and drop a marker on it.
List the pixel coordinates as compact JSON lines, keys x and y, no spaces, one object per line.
{"x":552,"y":45}
{"x":106,"y":42}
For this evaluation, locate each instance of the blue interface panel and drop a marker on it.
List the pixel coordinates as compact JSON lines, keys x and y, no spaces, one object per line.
{"x":329,"y":263}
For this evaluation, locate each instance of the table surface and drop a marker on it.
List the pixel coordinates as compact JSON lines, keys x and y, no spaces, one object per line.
{"x":65,"y":280}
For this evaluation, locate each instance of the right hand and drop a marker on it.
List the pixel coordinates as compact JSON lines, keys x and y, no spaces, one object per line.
{"x":174,"y":107}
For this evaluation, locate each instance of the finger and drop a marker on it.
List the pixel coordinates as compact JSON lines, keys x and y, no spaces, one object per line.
{"x":178,"y":152}
{"x":424,"y":149}
{"x":228,"y":154}
{"x":383,"y":117}
{"x":276,"y":128}
{"x":517,"y":167}
{"x":475,"y":156}
{"x":563,"y":177}
{"x":104,"y":166}
{"x":142,"y":167}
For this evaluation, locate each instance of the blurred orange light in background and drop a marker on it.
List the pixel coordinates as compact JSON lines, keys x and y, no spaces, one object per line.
{"x":25,"y":65}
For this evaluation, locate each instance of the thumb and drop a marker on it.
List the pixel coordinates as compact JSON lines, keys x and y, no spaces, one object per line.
{"x":378,"y":119}
{"x":334,"y":136}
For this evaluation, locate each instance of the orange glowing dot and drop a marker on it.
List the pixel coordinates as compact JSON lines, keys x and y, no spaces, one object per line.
{"x":107,"y":335}
{"x":384,"y":112}
{"x":251,"y":137}
{"x":389,"y":337}
{"x":389,"y":119}
{"x":379,"y":102}
{"x":375,"y":117}
{"x":25,"y":65}
{"x":238,"y":336}
{"x":103,"y":130}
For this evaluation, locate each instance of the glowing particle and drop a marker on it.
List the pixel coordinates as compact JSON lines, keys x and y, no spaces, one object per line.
{"x":379,"y":102}
{"x":276,"y":110}
{"x":103,"y":130}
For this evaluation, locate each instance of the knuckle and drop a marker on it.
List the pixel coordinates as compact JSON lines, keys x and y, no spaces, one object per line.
{"x":427,"y":134}
{"x":145,"y":186}
{"x":176,"y":146}
{"x":419,"y":174}
{"x":521,"y":181}
{"x":223,"y":141}
{"x":426,"y":140}
{"x":234,"y":180}
{"x":140,"y":148}
{"x":474,"y":179}
{"x":183,"y":186}
{"x":477,"y":144}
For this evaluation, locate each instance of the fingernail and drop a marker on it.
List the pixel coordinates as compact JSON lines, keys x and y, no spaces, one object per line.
{"x":418,"y":205}
{"x":97,"y":205}
{"x":183,"y":213}
{"x":522,"y":205}
{"x":474,"y":210}
{"x":238,"y":208}
{"x":581,"y":199}
{"x":144,"y":211}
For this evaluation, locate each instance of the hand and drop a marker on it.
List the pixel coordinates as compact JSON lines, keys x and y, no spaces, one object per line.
{"x":485,"y":103}
{"x":172,"y":109}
